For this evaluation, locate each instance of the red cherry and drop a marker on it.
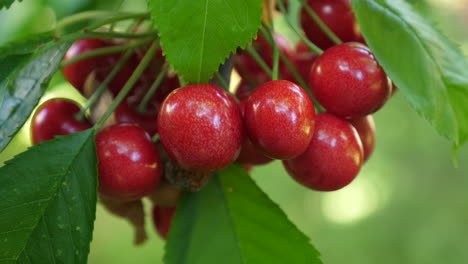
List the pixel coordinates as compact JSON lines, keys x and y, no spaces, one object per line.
{"x":200,"y":127}
{"x":125,"y":113}
{"x":249,"y":154}
{"x":348,"y":81}
{"x":107,"y":63}
{"x":279,"y":119}
{"x":248,"y":68}
{"x":76,"y":73}
{"x":337,"y":15}
{"x":129,"y":164}
{"x":303,"y":60}
{"x":56,"y":117}
{"x":365,"y":127}
{"x":162,"y":219}
{"x":333,"y":158}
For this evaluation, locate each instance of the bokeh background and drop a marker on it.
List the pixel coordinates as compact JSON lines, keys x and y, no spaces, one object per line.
{"x":408,"y":205}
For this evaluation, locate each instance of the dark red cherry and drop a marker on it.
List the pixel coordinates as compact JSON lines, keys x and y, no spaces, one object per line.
{"x":337,"y":15}
{"x":303,"y":60}
{"x":129,"y":164}
{"x":200,"y":127}
{"x":56,"y":117}
{"x":162,"y":219}
{"x":365,"y":127}
{"x":250,"y":155}
{"x":333,"y":158}
{"x":127,"y":113}
{"x":348,"y":81}
{"x":248,"y":68}
{"x":76,"y":73}
{"x":279,"y":119}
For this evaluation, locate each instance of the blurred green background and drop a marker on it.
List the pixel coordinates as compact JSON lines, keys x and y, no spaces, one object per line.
{"x":408,"y":205}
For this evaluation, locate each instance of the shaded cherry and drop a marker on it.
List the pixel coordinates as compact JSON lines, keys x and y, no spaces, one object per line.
{"x":200,"y":127}
{"x":249,"y":68}
{"x":303,"y":60}
{"x":129,"y":164}
{"x":365,"y":127}
{"x":127,"y":113}
{"x":348,"y":81}
{"x":250,"y":155}
{"x":162,"y":219}
{"x":279,"y":119}
{"x":333,"y":158}
{"x":337,"y":15}
{"x":76,"y":73}
{"x":56,"y":117}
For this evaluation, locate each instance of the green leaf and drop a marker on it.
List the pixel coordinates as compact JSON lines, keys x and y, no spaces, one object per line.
{"x":20,"y":94}
{"x":6,"y":3}
{"x":198,"y":35}
{"x":48,"y":202}
{"x":429,"y":70}
{"x":232,"y":221}
{"x":14,"y":54}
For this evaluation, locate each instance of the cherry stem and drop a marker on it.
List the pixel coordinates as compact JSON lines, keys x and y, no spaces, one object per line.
{"x":110,"y":35}
{"x":309,"y":44}
{"x":118,"y":18}
{"x":83,"y":16}
{"x":129,"y":84}
{"x":274,"y":76}
{"x":104,"y":51}
{"x":152,"y":90}
{"x":292,"y":69}
{"x":102,"y":86}
{"x":320,"y":23}
{"x":155,"y":137}
{"x":259,"y":60}
{"x":222,"y":81}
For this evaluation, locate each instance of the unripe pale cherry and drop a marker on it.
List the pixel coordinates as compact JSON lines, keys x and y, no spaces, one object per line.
{"x":332,"y":160}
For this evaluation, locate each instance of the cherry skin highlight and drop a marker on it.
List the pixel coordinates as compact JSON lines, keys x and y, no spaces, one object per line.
{"x":200,"y":127}
{"x":129,"y":164}
{"x":56,"y":117}
{"x":365,"y":127}
{"x":333,"y":158}
{"x":348,"y":81}
{"x":250,"y":155}
{"x":279,"y":119}
{"x":162,"y":219}
{"x":337,"y":15}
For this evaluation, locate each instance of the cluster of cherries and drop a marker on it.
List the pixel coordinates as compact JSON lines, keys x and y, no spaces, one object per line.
{"x":203,"y":129}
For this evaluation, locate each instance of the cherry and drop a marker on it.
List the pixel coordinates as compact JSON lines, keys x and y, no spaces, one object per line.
{"x":129,"y":164}
{"x":249,"y":154}
{"x":348,"y":81}
{"x":56,"y":117}
{"x":76,"y":73}
{"x":337,"y":15}
{"x":279,"y":119}
{"x":127,"y":113}
{"x":162,"y":219}
{"x":200,"y":127}
{"x":365,"y":127}
{"x":303,"y":60}
{"x":333,"y":158}
{"x":247,"y":66}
